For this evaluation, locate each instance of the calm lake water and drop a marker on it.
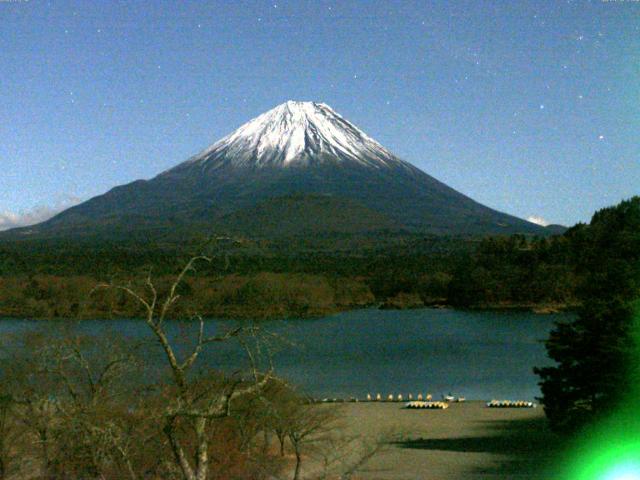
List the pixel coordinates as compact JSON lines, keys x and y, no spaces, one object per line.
{"x":480,"y":355}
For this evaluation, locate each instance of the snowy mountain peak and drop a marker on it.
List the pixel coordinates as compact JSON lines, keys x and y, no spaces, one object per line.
{"x":296,"y":133}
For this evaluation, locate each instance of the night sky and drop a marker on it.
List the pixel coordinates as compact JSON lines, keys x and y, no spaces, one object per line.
{"x":530,"y":107}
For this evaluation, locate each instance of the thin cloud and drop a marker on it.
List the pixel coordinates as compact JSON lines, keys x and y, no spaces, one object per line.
{"x":538,"y":220}
{"x":37,"y":214}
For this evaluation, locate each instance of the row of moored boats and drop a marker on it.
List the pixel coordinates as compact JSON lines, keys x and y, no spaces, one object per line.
{"x":427,"y":402}
{"x":510,"y":404}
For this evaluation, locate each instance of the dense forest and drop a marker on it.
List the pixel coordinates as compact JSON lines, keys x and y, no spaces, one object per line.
{"x":596,"y":354}
{"x":295,"y":277}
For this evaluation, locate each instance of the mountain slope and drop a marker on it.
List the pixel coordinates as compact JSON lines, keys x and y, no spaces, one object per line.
{"x":303,"y":151}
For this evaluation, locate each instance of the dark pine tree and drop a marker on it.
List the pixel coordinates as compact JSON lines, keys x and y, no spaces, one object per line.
{"x":594,"y":354}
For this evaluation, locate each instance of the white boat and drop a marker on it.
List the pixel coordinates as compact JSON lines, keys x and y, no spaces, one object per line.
{"x":451,"y":398}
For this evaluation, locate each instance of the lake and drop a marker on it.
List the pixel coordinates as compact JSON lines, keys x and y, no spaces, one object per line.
{"x":480,"y":355}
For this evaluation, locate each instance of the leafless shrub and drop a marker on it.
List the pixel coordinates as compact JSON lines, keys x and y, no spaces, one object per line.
{"x":74,"y":405}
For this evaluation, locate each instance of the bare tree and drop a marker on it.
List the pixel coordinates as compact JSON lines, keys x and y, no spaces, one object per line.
{"x":6,"y":433}
{"x":28,"y":408}
{"x":82,"y":406}
{"x":308,"y":425}
{"x":346,"y":455}
{"x":99,"y":418}
{"x":316,"y":433}
{"x":66,"y":391}
{"x":280,"y":406}
{"x":193,"y":402}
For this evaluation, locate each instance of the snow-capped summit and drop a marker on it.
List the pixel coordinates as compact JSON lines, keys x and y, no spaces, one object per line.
{"x":296,"y":133}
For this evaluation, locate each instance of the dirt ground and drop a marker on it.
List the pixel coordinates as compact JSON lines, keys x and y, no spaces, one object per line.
{"x":465,"y":441}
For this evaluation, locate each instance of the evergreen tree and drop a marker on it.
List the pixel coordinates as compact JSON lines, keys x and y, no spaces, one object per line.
{"x":595,"y":352}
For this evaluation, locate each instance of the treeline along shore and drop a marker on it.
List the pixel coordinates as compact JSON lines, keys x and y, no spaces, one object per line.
{"x":296,"y":277}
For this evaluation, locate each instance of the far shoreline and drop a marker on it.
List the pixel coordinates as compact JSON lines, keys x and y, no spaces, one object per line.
{"x":537,"y":309}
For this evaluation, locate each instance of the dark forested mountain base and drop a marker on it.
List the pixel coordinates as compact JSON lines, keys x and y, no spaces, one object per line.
{"x":295,"y":277}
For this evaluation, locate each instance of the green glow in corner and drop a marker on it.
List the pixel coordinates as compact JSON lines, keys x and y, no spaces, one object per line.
{"x":611,"y":450}
{"x":608,"y":462}
{"x":625,"y":471}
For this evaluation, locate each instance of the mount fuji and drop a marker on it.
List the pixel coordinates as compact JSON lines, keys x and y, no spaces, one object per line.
{"x":298,"y":169}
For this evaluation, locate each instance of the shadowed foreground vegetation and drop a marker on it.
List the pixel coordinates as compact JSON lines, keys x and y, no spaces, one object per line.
{"x":75,"y":406}
{"x":78,"y":406}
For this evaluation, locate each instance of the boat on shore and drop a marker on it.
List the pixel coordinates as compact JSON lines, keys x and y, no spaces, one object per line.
{"x":453,"y":399}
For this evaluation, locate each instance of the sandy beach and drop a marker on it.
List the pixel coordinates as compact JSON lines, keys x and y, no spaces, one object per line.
{"x":467,"y":440}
